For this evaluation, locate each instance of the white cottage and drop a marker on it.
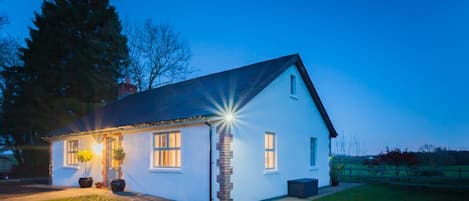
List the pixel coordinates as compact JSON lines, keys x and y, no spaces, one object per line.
{"x":239,"y":134}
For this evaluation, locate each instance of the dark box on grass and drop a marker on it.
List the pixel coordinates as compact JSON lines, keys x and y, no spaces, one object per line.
{"x":302,"y":188}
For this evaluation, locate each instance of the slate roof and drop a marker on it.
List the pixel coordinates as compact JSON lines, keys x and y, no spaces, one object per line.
{"x":193,"y":98}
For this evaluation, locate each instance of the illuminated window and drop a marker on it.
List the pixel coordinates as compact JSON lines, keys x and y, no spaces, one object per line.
{"x":313,"y":149}
{"x":292,"y":85}
{"x":269,"y":153}
{"x":167,"y":150}
{"x":71,"y":151}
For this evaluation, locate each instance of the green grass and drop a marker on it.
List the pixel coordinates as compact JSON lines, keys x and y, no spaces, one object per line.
{"x":392,"y":193}
{"x":89,"y":197}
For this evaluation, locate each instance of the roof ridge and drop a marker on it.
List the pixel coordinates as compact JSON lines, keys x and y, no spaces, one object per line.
{"x":213,"y":74}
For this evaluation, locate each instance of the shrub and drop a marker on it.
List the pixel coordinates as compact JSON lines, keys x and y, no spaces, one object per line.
{"x":430,"y":173}
{"x":84,"y":156}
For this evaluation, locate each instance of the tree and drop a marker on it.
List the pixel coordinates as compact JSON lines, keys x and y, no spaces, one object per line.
{"x":427,"y":148}
{"x":8,"y":60}
{"x":119,"y":155}
{"x":158,"y":55}
{"x":85,"y":156}
{"x":397,"y":158}
{"x":3,"y":21}
{"x":71,"y":64}
{"x":72,"y":61}
{"x":8,"y":56}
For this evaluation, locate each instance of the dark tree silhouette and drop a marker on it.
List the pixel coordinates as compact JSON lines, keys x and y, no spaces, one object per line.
{"x":397,"y":158}
{"x":158,"y":55}
{"x":72,"y":62}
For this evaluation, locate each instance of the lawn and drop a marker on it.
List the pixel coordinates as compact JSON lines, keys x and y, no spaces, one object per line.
{"x":372,"y":192}
{"x":89,"y":197}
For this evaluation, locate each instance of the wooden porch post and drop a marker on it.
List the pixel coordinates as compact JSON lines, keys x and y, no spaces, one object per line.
{"x":105,"y":161}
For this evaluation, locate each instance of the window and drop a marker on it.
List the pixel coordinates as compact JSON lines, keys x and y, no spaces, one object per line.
{"x":269,"y":153}
{"x":292,"y":85}
{"x":313,"y":149}
{"x":71,"y":151}
{"x":167,"y":150}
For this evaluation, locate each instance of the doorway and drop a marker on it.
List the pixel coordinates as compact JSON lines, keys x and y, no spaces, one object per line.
{"x":112,"y":142}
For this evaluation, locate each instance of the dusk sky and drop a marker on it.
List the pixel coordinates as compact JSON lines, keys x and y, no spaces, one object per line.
{"x":390,"y":73}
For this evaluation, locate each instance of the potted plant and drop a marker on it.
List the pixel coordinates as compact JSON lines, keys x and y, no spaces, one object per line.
{"x":85,"y":156}
{"x":99,"y":184}
{"x":336,"y":169}
{"x":118,"y":185}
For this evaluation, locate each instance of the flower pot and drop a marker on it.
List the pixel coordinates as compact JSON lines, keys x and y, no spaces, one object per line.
{"x":85,"y":182}
{"x":99,"y":184}
{"x":117,"y":185}
{"x":334,"y":182}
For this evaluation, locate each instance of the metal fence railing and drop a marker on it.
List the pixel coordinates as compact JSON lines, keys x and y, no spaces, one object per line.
{"x":458,"y":172}
{"x":454,"y":178}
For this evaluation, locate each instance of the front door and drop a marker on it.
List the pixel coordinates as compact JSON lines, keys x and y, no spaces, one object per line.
{"x":109,"y":172}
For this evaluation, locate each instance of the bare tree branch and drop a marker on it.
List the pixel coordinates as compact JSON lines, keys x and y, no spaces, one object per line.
{"x":3,"y":21}
{"x":158,"y":54}
{"x":9,"y":56}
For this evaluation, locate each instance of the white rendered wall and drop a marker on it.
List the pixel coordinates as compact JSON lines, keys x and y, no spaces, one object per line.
{"x":188,"y":183}
{"x":294,"y":120}
{"x":63,"y":175}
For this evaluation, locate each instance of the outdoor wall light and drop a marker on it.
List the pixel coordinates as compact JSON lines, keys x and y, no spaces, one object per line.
{"x":229,"y":117}
{"x":97,"y":148}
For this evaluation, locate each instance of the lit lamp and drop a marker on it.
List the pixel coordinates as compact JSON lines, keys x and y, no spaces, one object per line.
{"x":98,"y":144}
{"x":98,"y":148}
{"x":229,"y":117}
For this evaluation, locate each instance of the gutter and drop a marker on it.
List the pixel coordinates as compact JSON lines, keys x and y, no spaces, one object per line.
{"x":210,"y":160}
{"x":129,"y":128}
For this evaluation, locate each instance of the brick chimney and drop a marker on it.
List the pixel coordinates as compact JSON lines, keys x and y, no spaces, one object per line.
{"x":125,"y":89}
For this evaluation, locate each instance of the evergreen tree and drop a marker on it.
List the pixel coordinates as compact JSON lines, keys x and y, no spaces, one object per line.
{"x":71,"y":64}
{"x":72,"y":61}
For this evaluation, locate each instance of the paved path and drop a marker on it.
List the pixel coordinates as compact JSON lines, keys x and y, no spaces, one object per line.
{"x":324,"y":191}
{"x":65,"y":192}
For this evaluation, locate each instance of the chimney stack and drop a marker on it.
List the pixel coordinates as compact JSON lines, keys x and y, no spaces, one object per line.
{"x":125,"y":89}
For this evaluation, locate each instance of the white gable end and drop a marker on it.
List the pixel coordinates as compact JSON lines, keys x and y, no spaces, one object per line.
{"x":294,"y":119}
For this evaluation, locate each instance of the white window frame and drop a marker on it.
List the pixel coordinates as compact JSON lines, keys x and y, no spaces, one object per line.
{"x":274,"y":150}
{"x":68,"y":153}
{"x":160,"y":168}
{"x":313,"y":152}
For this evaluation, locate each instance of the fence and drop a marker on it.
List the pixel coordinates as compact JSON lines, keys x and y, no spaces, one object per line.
{"x":432,"y":177}
{"x":386,"y":171}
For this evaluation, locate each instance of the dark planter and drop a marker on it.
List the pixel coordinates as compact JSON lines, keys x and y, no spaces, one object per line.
{"x":117,"y":185}
{"x":334,"y":182}
{"x":85,"y":182}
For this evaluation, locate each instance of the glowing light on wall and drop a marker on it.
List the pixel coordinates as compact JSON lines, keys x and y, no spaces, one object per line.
{"x":229,"y":117}
{"x":98,"y":148}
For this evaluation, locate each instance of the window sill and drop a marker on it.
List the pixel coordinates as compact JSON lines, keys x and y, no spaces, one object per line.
{"x":313,"y":168}
{"x":274,"y":171}
{"x":75,"y":167}
{"x":166,"y":170}
{"x":294,"y":97}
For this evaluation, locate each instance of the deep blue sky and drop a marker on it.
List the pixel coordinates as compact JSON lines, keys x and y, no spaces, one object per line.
{"x":391,"y":73}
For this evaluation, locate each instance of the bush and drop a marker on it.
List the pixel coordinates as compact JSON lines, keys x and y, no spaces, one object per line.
{"x":430,"y":173}
{"x":84,"y":156}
